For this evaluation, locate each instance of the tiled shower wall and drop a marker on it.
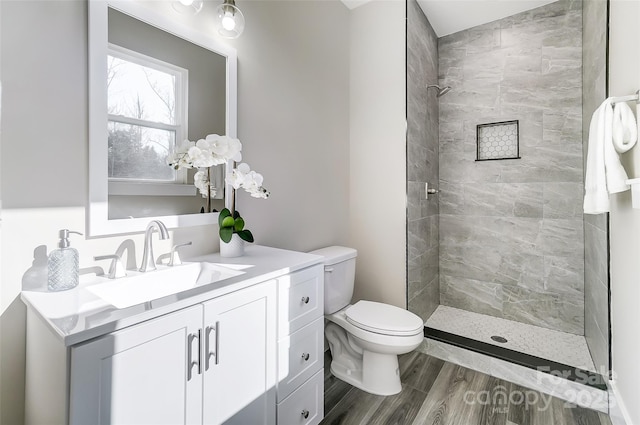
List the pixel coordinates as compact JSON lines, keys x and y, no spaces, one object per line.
{"x":511,"y":231}
{"x":422,"y":163}
{"x":596,"y":274}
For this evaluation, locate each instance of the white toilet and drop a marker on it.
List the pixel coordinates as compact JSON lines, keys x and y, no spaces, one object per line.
{"x":365,"y":338}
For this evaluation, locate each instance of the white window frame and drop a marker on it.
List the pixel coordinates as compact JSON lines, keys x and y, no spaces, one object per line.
{"x":177,"y":186}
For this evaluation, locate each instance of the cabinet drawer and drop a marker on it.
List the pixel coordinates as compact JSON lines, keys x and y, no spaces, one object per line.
{"x":300,"y":356}
{"x":306,"y":405}
{"x":301,"y":299}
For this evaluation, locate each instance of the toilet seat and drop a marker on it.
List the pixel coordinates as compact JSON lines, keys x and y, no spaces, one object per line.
{"x":383,"y":319}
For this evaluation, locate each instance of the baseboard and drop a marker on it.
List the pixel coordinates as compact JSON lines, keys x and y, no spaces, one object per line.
{"x":617,"y":410}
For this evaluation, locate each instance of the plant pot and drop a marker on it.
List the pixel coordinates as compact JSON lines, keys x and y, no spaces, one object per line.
{"x":235,"y":247}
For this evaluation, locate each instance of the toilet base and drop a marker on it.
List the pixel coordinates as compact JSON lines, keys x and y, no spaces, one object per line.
{"x":374,"y":373}
{"x":385,"y":381}
{"x":381,"y":373}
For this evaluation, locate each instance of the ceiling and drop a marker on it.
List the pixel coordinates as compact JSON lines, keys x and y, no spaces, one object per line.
{"x":449,"y":16}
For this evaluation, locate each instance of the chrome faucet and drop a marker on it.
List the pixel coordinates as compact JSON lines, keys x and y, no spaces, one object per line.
{"x":148,"y":262}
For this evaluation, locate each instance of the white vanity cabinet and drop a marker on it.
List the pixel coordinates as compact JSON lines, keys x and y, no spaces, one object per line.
{"x":211,"y":363}
{"x":301,"y":347}
{"x":247,"y":351}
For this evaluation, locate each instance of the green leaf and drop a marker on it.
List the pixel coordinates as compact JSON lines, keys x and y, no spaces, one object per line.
{"x":227,"y":222}
{"x":239,"y":224}
{"x":226,"y":233}
{"x":246,"y":235}
{"x":223,"y":214}
{"x":236,"y":214}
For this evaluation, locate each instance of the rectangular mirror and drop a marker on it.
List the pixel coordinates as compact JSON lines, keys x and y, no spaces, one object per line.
{"x":153,"y":83}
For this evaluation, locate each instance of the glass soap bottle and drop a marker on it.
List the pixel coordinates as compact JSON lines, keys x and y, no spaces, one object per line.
{"x":63,"y":265}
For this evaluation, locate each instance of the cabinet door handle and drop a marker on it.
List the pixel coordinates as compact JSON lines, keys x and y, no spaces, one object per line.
{"x":305,"y":356}
{"x":199,"y":351}
{"x":217,"y":342}
{"x":305,"y":413}
{"x":305,"y":300}
{"x":207,"y":350}
{"x":190,"y":360}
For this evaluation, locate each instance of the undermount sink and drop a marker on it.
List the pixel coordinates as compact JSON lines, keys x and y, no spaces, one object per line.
{"x":138,"y":287}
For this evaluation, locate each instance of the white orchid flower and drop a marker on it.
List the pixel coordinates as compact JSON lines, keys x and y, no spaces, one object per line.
{"x":200,"y":158}
{"x":179,"y":157}
{"x":250,"y":181}
{"x":215,"y":150}
{"x":225,"y":147}
{"x":236,"y":177}
{"x":201,"y":182}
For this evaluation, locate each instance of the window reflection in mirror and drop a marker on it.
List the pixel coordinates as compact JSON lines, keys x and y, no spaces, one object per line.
{"x":161,"y":90}
{"x":146,"y":116}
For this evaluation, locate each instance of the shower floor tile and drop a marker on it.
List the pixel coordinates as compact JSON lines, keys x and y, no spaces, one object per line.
{"x":548,"y":344}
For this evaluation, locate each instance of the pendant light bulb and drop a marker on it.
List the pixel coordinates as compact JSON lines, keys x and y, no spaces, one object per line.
{"x":187,"y":7}
{"x":229,"y":21}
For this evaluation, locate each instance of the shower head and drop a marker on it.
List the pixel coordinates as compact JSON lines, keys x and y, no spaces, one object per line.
{"x":441,"y":90}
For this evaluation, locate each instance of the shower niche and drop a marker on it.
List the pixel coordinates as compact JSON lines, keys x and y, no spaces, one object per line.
{"x":498,"y":140}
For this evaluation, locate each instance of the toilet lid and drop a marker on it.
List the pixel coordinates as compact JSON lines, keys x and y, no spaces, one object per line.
{"x":383,"y":319}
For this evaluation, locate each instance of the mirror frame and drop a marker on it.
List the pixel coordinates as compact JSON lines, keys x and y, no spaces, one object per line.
{"x":98,"y":223}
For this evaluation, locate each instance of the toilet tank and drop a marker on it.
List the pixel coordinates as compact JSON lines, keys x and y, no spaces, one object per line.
{"x":339,"y":276}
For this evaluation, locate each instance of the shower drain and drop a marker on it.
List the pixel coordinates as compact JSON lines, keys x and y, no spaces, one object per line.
{"x":499,"y":339}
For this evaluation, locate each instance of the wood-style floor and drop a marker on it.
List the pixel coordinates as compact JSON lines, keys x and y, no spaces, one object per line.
{"x":435,"y":392}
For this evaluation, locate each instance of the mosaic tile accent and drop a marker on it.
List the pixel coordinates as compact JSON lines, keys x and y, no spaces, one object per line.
{"x":498,"y":140}
{"x":548,"y":344}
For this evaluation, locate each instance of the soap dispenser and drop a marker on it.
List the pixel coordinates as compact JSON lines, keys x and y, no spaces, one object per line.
{"x":63,"y":264}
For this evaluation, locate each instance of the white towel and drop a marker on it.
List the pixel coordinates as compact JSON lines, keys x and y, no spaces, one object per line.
{"x":625,"y":129}
{"x":604,"y":174}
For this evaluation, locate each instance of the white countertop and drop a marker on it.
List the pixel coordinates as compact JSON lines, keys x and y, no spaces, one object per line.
{"x":78,"y":315}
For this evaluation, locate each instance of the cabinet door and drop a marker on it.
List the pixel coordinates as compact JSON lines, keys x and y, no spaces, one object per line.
{"x":239,"y":357}
{"x":145,"y":374}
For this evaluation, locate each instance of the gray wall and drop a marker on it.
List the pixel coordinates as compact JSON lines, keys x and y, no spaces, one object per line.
{"x":293,"y":120}
{"x":511,"y":231}
{"x":596,"y":273}
{"x":377,"y":151}
{"x":422,"y":163}
{"x":624,"y":224}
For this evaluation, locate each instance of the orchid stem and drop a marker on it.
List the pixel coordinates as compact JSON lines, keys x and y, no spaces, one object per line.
{"x":209,"y":189}
{"x":233,"y":193}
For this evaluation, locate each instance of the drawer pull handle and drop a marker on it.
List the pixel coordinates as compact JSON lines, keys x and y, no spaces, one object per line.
{"x":191,"y":362}
{"x":305,"y":413}
{"x":305,"y":300}
{"x":305,"y":356}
